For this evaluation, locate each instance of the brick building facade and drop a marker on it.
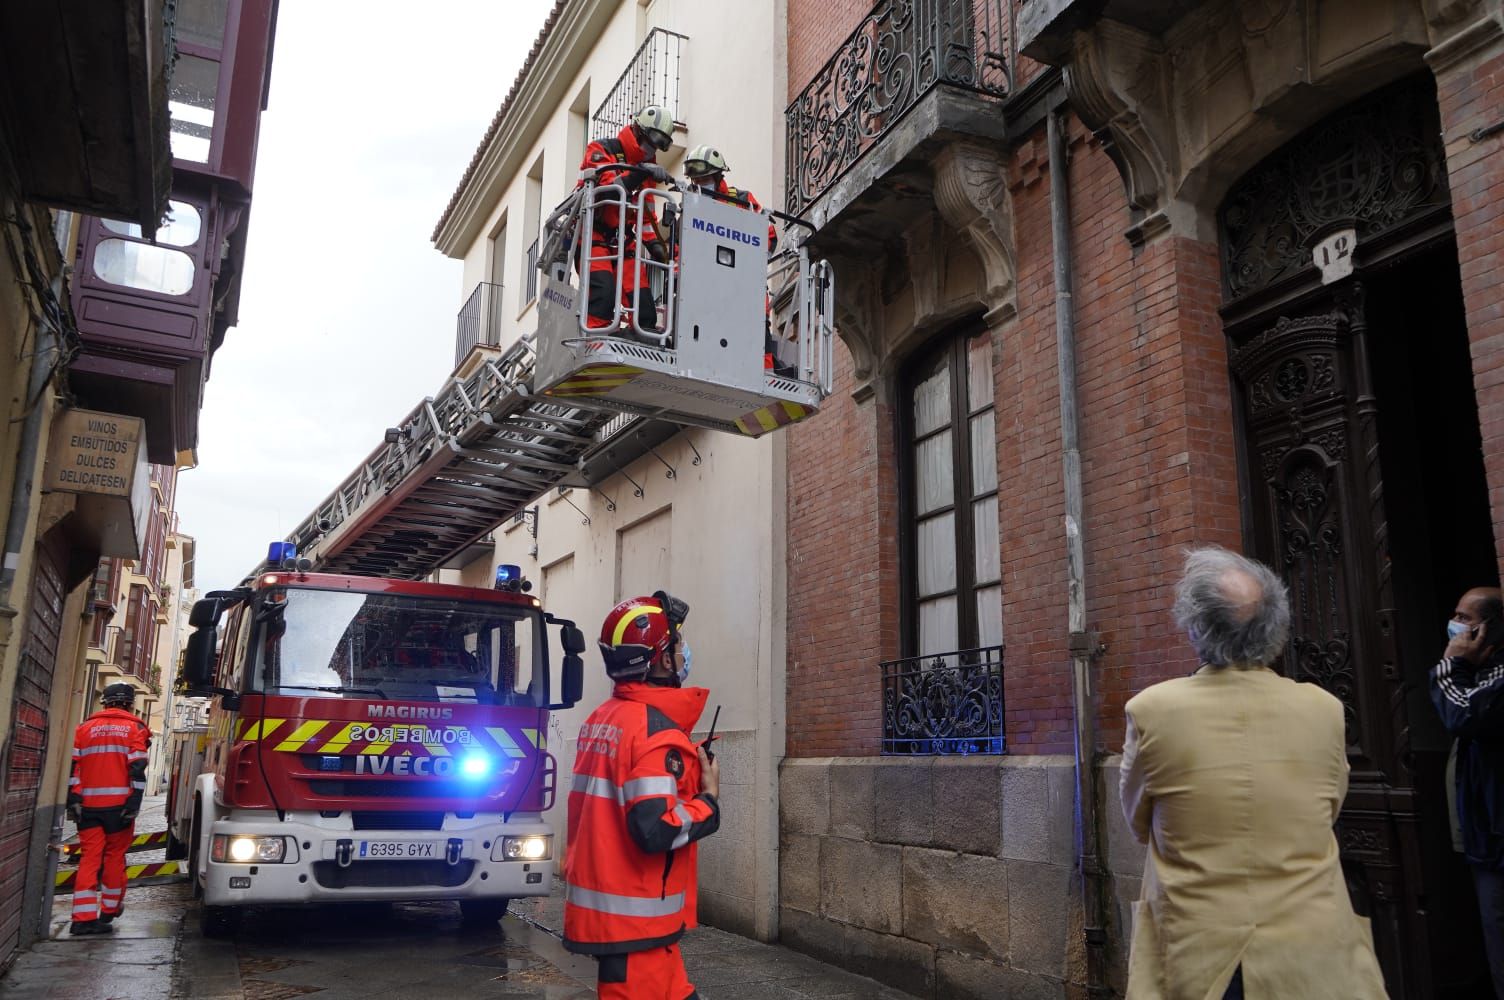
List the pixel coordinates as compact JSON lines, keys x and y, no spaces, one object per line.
{"x":1223,"y":394}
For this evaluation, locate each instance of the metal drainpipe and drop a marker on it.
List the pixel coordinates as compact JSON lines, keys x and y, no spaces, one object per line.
{"x":26,"y":458}
{"x":1087,"y":857}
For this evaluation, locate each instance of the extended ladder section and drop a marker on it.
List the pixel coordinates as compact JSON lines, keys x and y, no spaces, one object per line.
{"x":459,"y":464}
{"x":488,"y":446}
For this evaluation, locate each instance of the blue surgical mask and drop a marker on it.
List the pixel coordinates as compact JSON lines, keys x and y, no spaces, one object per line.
{"x":684,"y":669}
{"x":1457,"y":629}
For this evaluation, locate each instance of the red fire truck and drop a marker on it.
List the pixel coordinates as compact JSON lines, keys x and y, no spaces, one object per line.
{"x":373,"y":739}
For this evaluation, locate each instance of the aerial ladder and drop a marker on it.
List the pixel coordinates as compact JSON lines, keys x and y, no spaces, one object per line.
{"x":488,"y":445}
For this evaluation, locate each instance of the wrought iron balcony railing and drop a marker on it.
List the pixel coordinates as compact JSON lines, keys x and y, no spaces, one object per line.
{"x":945,"y":703}
{"x":652,"y":77}
{"x":898,"y":54}
{"x":532,"y":270}
{"x":479,"y":320}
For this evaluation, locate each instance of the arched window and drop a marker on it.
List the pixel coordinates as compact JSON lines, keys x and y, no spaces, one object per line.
{"x":952,"y":567}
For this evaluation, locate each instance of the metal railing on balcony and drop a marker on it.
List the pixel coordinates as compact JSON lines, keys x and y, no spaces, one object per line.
{"x":897,"y":55}
{"x":944,"y":703}
{"x":652,"y":77}
{"x":532,"y":270}
{"x":479,"y":321}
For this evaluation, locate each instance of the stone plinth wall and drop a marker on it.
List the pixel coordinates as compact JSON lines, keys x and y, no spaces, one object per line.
{"x":947,"y":877}
{"x":731,"y":858}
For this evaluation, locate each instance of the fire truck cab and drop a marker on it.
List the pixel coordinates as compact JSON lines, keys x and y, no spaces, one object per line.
{"x":693,"y":350}
{"x":373,"y":739}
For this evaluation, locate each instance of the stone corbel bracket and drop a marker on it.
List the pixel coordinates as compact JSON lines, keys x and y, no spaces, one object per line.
{"x":1117,"y":79}
{"x":971,"y":193}
{"x":859,"y":323}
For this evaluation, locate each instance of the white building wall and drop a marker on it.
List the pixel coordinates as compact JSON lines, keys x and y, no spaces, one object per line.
{"x":719,"y":519}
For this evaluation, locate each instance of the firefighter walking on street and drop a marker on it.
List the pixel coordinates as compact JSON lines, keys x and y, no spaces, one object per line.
{"x":636,"y":145}
{"x":642,"y":795}
{"x":110,"y":750}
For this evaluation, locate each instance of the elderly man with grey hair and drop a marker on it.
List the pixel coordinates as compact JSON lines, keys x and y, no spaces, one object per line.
{"x":1233,"y":777}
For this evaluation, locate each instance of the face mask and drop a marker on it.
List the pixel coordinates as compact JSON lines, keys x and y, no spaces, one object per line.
{"x":684,"y":670}
{"x":1457,"y":629}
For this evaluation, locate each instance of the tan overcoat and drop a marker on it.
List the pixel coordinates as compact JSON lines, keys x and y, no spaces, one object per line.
{"x":1233,"y":779}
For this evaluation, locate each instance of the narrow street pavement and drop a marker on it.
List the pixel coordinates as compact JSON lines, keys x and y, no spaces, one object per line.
{"x":413,"y":951}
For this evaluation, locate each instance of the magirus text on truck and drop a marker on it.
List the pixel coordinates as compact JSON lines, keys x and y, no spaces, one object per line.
{"x":372,"y":739}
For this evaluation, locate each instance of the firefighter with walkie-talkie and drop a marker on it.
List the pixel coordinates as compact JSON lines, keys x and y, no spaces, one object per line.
{"x":642,"y":795}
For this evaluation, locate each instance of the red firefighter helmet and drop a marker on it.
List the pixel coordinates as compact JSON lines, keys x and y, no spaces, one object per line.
{"x":638,"y":632}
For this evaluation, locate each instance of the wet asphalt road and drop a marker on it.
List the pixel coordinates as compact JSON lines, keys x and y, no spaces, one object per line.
{"x":412,"y":950}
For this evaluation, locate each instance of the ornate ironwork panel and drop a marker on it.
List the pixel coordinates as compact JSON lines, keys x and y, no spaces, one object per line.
{"x":901,"y":50}
{"x":946,"y":703}
{"x":1372,"y":166}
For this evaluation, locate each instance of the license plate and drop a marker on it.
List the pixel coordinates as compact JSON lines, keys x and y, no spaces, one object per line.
{"x":406,"y":850}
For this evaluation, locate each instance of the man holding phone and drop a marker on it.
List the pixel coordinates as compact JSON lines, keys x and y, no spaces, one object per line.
{"x":1467,"y":688}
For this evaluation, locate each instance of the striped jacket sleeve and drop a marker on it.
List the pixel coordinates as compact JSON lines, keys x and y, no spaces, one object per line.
{"x":75,"y":782}
{"x":658,"y":819}
{"x":136,"y":759}
{"x":1470,"y":699}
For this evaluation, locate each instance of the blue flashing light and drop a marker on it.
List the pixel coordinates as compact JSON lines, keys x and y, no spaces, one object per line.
{"x":278,"y":553}
{"x":475,"y":765}
{"x":507,"y":573}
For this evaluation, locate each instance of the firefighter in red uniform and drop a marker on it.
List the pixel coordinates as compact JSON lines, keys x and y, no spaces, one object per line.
{"x":705,"y":168}
{"x":636,"y":145}
{"x":110,"y":750}
{"x":643,"y":794}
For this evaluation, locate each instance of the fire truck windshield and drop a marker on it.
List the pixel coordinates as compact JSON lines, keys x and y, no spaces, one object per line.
{"x":326,"y":643}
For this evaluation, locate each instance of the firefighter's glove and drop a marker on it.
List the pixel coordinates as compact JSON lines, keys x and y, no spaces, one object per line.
{"x":75,"y":813}
{"x":656,"y":172}
{"x":127,"y":814}
{"x":710,"y":774}
{"x":658,"y":250}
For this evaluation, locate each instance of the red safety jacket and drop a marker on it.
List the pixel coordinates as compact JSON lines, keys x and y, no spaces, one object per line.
{"x":110,"y":750}
{"x":623,"y":149}
{"x":635,"y":812}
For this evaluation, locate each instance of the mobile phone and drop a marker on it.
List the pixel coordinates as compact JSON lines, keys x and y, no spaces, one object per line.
{"x":710,"y":754}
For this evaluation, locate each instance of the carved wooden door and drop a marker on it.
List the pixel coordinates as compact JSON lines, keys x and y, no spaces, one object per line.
{"x":1310,"y":435}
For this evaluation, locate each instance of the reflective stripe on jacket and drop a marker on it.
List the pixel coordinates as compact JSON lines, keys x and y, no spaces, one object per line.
{"x":1470,"y":701}
{"x":110,"y":750}
{"x":634,"y":816}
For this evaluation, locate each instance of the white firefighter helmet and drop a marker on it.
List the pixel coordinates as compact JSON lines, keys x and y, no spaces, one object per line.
{"x":703,"y":161}
{"x":656,"y":125}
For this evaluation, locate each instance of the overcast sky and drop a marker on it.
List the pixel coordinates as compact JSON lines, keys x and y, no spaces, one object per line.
{"x":347,"y":310}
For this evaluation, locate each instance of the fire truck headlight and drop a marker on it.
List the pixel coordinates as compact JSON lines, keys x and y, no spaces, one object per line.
{"x":475,"y":765}
{"x":538,"y":847}
{"x":248,"y":850}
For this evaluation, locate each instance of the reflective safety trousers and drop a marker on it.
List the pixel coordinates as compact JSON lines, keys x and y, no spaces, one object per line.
{"x":635,"y":813}
{"x":110,"y":750}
